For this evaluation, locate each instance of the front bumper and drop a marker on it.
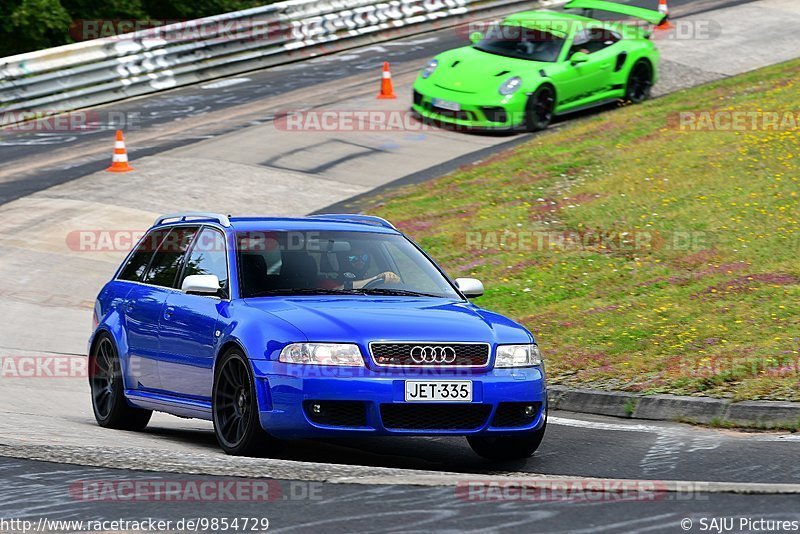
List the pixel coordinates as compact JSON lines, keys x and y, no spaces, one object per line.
{"x":476,"y":112}
{"x":373,"y":401}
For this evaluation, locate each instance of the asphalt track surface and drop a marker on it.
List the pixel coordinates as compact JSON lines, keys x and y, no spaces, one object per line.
{"x":35,"y":490}
{"x":418,"y":483}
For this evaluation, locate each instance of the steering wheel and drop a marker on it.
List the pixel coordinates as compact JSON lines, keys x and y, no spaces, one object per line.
{"x":374,"y":283}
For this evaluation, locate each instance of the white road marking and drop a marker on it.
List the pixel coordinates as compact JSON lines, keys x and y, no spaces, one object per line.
{"x":597,"y":425}
{"x":637,"y":427}
{"x":664,"y":455}
{"x":224,"y":83}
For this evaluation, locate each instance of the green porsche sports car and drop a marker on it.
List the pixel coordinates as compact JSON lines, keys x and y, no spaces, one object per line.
{"x":538,"y":64}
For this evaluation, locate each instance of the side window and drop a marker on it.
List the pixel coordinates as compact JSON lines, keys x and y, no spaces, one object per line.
{"x":167,"y":259}
{"x":593,"y":40}
{"x":260,"y":261}
{"x":138,"y":261}
{"x":579,"y":43}
{"x":208,"y":256}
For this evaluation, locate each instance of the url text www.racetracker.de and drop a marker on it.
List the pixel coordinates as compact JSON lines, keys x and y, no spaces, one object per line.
{"x":195,"y":524}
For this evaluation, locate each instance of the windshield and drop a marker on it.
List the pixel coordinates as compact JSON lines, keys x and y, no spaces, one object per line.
{"x":522,"y":43}
{"x":335,"y":262}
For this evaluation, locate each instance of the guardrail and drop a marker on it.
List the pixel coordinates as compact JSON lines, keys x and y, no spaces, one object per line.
{"x":103,"y":70}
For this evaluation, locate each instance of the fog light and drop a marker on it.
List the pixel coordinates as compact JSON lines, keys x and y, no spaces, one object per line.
{"x":529,"y":411}
{"x":316,"y":408}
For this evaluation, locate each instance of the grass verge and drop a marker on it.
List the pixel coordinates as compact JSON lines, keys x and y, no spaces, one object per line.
{"x":644,"y":256}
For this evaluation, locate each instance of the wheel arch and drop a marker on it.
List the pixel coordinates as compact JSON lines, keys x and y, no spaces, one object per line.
{"x":262,"y":396}
{"x":544,"y":82}
{"x":228,"y":345}
{"x":114,"y":331}
{"x":639,"y":59}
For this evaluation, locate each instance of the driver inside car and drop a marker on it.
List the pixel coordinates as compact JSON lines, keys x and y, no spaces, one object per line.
{"x":354,"y":275}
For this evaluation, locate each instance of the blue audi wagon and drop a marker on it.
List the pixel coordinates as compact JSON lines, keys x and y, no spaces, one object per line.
{"x":309,"y":327}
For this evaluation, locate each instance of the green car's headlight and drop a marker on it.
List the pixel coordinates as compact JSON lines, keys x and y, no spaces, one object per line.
{"x":510,"y":86}
{"x":322,"y":354}
{"x":429,"y":68}
{"x":518,"y":356}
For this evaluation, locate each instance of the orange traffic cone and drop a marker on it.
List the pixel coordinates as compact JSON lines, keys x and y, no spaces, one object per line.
{"x":387,"y":91}
{"x":119,"y":162}
{"x":664,"y":10}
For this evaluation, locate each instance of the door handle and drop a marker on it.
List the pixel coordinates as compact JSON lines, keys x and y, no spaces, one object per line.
{"x":168,"y":311}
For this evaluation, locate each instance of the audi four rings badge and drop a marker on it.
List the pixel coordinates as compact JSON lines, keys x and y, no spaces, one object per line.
{"x":433,"y":354}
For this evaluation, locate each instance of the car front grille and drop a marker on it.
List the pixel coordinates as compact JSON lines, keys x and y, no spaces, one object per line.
{"x":336,"y":413}
{"x":425,"y":354}
{"x":495,"y":113}
{"x":434,"y":416}
{"x":512,"y":414}
{"x":449,"y":113}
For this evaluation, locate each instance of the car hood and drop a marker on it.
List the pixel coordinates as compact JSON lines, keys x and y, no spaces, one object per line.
{"x":469,"y":70}
{"x":356,"y":319}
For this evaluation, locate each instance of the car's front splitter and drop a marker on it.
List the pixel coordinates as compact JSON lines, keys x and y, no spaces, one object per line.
{"x":366,"y":402}
{"x":474,"y":111}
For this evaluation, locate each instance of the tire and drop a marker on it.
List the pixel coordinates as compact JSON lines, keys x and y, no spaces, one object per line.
{"x":507,"y":447}
{"x":234,"y":408}
{"x":111,"y":410}
{"x":539,"y":108}
{"x":640,"y":82}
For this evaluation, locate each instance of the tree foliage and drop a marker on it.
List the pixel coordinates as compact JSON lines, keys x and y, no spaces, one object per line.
{"x":27,"y":25}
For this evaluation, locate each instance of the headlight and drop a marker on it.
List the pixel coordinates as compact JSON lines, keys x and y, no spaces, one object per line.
{"x":510,"y":86}
{"x":322,"y":354}
{"x":429,"y":68}
{"x":518,"y":356}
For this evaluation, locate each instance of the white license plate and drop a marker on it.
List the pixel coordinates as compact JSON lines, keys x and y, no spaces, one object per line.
{"x":439,"y":391}
{"x":446,"y":104}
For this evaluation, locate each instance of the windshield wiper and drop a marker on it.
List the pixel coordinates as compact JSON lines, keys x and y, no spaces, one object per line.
{"x":305,"y":291}
{"x":398,"y":292}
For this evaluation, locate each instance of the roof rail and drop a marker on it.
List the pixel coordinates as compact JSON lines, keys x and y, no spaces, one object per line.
{"x":185,"y":215}
{"x":355,"y":218}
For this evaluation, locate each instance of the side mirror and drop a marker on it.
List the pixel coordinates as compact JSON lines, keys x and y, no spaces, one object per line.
{"x":201,"y":284}
{"x":476,"y":37}
{"x":471,"y":287}
{"x":579,"y":57}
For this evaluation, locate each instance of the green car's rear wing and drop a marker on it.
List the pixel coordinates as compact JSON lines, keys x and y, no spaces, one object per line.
{"x":653,"y":17}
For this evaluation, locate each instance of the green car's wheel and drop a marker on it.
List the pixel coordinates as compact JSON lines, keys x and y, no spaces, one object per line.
{"x":111,"y":410}
{"x":235,"y":410}
{"x":539,"y":109}
{"x":640,"y":81}
{"x":507,"y":447}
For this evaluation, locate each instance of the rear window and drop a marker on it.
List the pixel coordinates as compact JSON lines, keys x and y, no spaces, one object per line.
{"x":138,"y":261}
{"x":167,"y":260}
